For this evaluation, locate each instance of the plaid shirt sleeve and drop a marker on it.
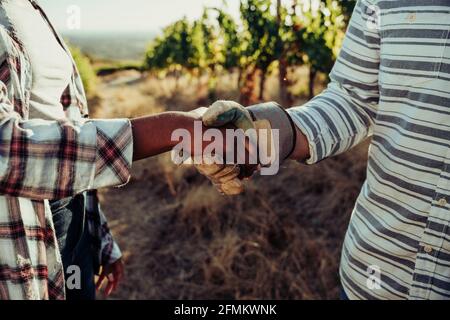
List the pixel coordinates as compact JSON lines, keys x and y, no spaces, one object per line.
{"x":57,"y":159}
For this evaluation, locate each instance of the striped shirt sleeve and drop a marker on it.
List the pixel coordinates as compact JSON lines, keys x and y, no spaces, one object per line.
{"x":57,"y":159}
{"x":343,"y":115}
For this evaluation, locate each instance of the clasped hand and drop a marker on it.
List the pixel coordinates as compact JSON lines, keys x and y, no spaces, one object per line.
{"x":228,"y":170}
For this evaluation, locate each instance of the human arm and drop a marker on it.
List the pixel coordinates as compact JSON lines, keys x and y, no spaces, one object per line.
{"x":152,"y":135}
{"x":43,"y":159}
{"x":338,"y":119}
{"x":55,"y":159}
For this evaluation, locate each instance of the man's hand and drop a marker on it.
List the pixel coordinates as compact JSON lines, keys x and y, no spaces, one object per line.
{"x":113,"y":274}
{"x":225,"y":113}
{"x":271,"y":122}
{"x":230,"y":113}
{"x":226,"y":178}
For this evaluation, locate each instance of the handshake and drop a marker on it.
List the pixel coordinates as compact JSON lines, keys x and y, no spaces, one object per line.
{"x":231,"y":143}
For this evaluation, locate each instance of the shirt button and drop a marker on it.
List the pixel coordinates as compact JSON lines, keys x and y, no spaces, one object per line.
{"x":428,"y":249}
{"x":411,"y":17}
{"x":442,"y":202}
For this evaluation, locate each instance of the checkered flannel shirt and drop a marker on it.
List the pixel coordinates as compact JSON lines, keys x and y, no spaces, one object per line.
{"x":45,"y":160}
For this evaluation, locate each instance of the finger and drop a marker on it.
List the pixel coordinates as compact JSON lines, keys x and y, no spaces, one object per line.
{"x":227,"y":179}
{"x":118,"y":276}
{"x":111,"y":277}
{"x":222,"y":113}
{"x":99,"y":283}
{"x":227,"y":172}
{"x":109,"y":288}
{"x":114,"y":288}
{"x":209,"y":169}
{"x":237,"y":117}
{"x":217,"y":109}
{"x":110,"y":284}
{"x":232,"y":188}
{"x":219,"y":189}
{"x":115,"y":282}
{"x":120,"y":273}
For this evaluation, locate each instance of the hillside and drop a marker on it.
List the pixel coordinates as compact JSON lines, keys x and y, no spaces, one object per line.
{"x":112,"y":45}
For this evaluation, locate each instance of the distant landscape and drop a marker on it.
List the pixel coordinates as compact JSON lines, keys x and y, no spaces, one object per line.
{"x":128,"y":46}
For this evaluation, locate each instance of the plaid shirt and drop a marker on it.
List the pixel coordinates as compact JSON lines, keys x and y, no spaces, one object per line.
{"x":45,"y":160}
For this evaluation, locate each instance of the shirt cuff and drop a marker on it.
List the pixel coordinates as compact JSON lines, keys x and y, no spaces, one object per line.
{"x":316,"y":130}
{"x":114,"y":255}
{"x":279,"y":120}
{"x":114,"y":153}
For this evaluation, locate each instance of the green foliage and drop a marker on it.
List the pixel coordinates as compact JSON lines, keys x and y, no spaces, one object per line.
{"x":184,"y":46}
{"x":293,"y":35}
{"x":207,"y":34}
{"x":87,"y":72}
{"x":107,"y":68}
{"x":231,"y":49}
{"x":317,"y":35}
{"x":262,"y":36}
{"x":174,"y":49}
{"x":347,"y":8}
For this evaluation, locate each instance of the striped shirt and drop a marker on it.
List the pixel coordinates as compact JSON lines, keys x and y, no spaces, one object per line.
{"x":43,"y":160}
{"x":391,"y":82}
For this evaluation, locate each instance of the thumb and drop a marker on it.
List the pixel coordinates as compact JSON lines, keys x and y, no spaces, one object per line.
{"x":223,"y":113}
{"x":100,"y":280}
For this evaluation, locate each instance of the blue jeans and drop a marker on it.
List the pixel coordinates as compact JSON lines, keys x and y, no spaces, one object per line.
{"x":344,"y":296}
{"x":74,"y":243}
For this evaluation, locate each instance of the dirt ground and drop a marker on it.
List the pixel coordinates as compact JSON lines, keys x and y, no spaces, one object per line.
{"x":182,"y":240}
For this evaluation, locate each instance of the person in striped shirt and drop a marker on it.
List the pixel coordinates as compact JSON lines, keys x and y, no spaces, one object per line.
{"x":391,"y":82}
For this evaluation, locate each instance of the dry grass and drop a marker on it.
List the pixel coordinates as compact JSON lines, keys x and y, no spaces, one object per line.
{"x":182,"y":240}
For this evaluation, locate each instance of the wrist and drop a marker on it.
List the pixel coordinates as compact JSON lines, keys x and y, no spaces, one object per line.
{"x":302,"y":151}
{"x":152,"y":135}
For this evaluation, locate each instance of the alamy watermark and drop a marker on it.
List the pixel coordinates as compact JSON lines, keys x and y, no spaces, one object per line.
{"x":73,"y":21}
{"x":73,"y":281}
{"x":230,"y":147}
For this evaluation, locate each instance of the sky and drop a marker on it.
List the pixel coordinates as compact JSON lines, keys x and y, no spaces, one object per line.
{"x":126,"y":15}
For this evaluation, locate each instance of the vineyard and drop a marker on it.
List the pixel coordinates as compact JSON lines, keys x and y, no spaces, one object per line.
{"x":270,"y":36}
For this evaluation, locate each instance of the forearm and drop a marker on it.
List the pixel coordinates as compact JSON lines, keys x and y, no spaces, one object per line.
{"x":152,"y":135}
{"x":333,"y":123}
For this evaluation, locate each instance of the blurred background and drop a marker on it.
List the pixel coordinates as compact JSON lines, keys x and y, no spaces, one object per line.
{"x":180,"y":238}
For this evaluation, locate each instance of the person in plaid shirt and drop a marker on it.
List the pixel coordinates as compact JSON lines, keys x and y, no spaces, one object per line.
{"x":53,"y":156}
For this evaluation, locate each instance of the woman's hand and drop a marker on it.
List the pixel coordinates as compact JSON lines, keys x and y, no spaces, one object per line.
{"x":113,"y":274}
